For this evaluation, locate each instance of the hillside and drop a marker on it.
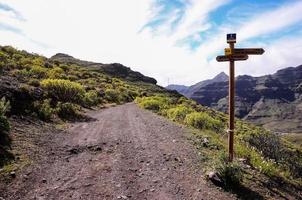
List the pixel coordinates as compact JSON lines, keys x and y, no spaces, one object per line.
{"x":61,"y":88}
{"x":114,"y":69}
{"x":274,"y":101}
{"x":68,"y":125}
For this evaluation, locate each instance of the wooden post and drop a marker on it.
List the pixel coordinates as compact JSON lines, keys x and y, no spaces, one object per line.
{"x":231,"y":104}
{"x":232,"y":55}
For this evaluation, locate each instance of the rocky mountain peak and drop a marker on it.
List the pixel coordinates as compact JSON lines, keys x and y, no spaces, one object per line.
{"x":221,"y":77}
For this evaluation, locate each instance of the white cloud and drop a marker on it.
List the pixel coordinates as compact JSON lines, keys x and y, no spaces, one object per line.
{"x":108,"y":31}
{"x":272,"y":21}
{"x":279,"y":54}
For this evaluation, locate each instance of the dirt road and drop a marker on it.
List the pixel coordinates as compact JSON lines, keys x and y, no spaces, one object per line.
{"x":126,"y":153}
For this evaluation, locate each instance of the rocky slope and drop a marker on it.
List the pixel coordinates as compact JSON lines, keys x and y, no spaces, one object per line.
{"x":274,"y":101}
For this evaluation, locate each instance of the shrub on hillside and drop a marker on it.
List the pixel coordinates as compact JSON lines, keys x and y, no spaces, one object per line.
{"x":151,"y":104}
{"x":179,"y":113}
{"x":133,"y":94}
{"x":44,"y":110}
{"x":68,"y":110}
{"x":154,"y":103}
{"x":34,"y":82}
{"x":37,"y":71}
{"x":124,"y":97}
{"x":91,"y":98}
{"x":272,"y":147}
{"x":63,"y":90}
{"x":55,"y":73}
{"x":230,"y":172}
{"x":111,"y":95}
{"x":202,"y":120}
{"x":4,"y":124}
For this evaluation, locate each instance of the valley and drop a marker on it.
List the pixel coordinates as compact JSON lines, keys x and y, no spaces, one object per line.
{"x":274,"y":101}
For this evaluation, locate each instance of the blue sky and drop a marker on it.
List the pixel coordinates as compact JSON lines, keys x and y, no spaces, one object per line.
{"x":175,"y":41}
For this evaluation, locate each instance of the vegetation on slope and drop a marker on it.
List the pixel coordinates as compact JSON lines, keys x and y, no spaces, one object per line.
{"x":258,"y":151}
{"x":51,"y":90}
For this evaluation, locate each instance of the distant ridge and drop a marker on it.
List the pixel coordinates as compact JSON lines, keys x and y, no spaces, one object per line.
{"x":188,"y":91}
{"x":115,"y":69}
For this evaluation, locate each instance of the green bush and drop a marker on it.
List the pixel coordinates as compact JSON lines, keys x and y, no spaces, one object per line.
{"x":133,"y":94}
{"x":91,"y":98}
{"x":37,"y":71}
{"x":126,"y":95}
{"x":179,"y":113}
{"x":63,"y":90}
{"x":202,"y":120}
{"x":151,"y":104}
{"x":112,"y":95}
{"x":44,"y":110}
{"x":230,"y":172}
{"x":68,"y":110}
{"x":55,"y":73}
{"x":34,"y":82}
{"x":154,"y":103}
{"x":2,"y":67}
{"x":4,"y":124}
{"x":273,"y":148}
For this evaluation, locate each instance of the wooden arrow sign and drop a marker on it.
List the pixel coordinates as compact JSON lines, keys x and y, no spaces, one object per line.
{"x":249,"y":51}
{"x":233,"y":57}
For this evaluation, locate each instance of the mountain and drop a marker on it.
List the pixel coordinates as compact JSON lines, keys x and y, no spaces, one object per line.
{"x":189,"y":91}
{"x":221,"y":77}
{"x":179,"y":88}
{"x":274,"y":101}
{"x":114,"y":69}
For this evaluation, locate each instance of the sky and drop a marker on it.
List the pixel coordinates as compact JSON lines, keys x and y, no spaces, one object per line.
{"x":174,"y":41}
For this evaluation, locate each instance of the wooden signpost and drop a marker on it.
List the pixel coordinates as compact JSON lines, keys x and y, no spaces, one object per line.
{"x":232,"y":54}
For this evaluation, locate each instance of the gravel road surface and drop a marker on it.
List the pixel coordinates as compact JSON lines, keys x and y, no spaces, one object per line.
{"x":125,"y":153}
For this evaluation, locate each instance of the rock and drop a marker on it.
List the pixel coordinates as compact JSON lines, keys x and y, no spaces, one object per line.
{"x":155,"y":181}
{"x":44,"y":180}
{"x":12,"y":174}
{"x":213,"y":176}
{"x":143,"y":190}
{"x":205,"y":142}
{"x":140,"y":174}
{"x":152,"y":190}
{"x":74,"y":151}
{"x":122,"y":197}
{"x":94,"y":148}
{"x":243,"y":160}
